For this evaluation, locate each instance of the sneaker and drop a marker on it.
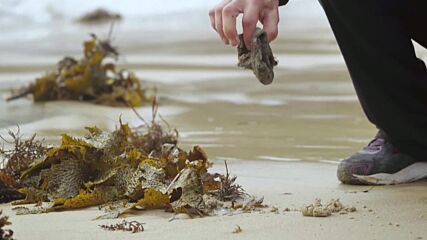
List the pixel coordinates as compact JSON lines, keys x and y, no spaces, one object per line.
{"x":380,"y":156}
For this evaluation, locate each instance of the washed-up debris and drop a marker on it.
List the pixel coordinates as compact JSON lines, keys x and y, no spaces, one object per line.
{"x":16,"y":160}
{"x":23,"y":153}
{"x":37,"y":209}
{"x":132,"y":226}
{"x":274,"y":210}
{"x":228,"y":189}
{"x":99,"y":15}
{"x":259,"y":57}
{"x":237,"y":229}
{"x":317,"y":209}
{"x":126,"y":170}
{"x":94,"y":78}
{"x":5,"y":234}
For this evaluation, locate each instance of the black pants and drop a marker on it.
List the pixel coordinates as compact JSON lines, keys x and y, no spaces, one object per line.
{"x":390,"y":81}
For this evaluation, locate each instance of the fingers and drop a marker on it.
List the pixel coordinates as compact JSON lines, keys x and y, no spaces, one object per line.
{"x":212,"y":18}
{"x":216,"y":20}
{"x":270,"y":24}
{"x":229,"y":15}
{"x":223,"y":19}
{"x":249,"y":21}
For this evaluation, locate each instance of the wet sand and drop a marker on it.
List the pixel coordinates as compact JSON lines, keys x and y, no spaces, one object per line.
{"x":283,"y":141}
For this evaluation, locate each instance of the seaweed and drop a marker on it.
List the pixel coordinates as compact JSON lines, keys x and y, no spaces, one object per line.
{"x":5,"y":234}
{"x":14,"y":161}
{"x":132,"y":226}
{"x":228,"y":190}
{"x":94,"y":78}
{"x":20,"y":156}
{"x":99,"y":15}
{"x":142,"y":167}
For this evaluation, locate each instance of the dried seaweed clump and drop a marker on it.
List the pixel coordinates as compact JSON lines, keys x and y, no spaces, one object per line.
{"x":259,"y":57}
{"x":14,"y":161}
{"x":228,"y":189}
{"x":99,"y":15}
{"x":317,"y":209}
{"x":5,"y":234}
{"x":132,"y":226}
{"x":92,"y":79}
{"x":21,"y":155}
{"x":139,"y":168}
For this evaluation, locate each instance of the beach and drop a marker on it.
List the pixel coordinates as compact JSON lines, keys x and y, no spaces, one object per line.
{"x":283,"y":141}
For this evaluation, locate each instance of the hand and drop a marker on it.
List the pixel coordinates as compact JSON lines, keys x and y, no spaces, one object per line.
{"x":223,"y":19}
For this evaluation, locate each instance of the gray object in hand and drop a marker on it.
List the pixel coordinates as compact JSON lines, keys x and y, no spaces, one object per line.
{"x":259,"y":57}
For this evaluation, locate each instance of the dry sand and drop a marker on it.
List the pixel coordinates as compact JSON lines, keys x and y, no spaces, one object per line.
{"x":283,"y":141}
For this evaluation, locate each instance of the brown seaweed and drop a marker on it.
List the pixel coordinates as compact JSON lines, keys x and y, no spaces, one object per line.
{"x":5,"y":234}
{"x":99,"y":15}
{"x":20,"y":156}
{"x":228,"y":190}
{"x":94,"y":78}
{"x":132,"y":226}
{"x":141,"y":166}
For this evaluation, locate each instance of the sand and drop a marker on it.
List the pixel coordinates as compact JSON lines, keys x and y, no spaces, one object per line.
{"x":283,"y":141}
{"x":397,"y":212}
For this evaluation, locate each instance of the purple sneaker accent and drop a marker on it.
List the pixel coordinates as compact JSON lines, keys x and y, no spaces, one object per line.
{"x":361,"y":168}
{"x":379,"y":156}
{"x":376,"y":145}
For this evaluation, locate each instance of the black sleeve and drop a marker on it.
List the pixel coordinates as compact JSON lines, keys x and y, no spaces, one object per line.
{"x":283,"y":2}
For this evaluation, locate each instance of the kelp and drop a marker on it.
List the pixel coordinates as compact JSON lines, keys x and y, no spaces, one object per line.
{"x":99,"y":15}
{"x":94,"y":78}
{"x":139,"y":168}
{"x":16,"y":160}
{"x":228,"y":189}
{"x":5,"y":234}
{"x":132,"y":226}
{"x":128,"y":169}
{"x":20,"y":157}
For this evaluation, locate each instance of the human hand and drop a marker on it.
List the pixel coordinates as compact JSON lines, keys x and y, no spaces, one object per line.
{"x":223,"y":19}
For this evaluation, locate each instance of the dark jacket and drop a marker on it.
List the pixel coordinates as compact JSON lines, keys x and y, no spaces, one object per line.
{"x":283,"y":2}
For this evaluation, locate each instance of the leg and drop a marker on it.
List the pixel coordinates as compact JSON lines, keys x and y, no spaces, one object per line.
{"x":390,"y":80}
{"x":415,"y":21}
